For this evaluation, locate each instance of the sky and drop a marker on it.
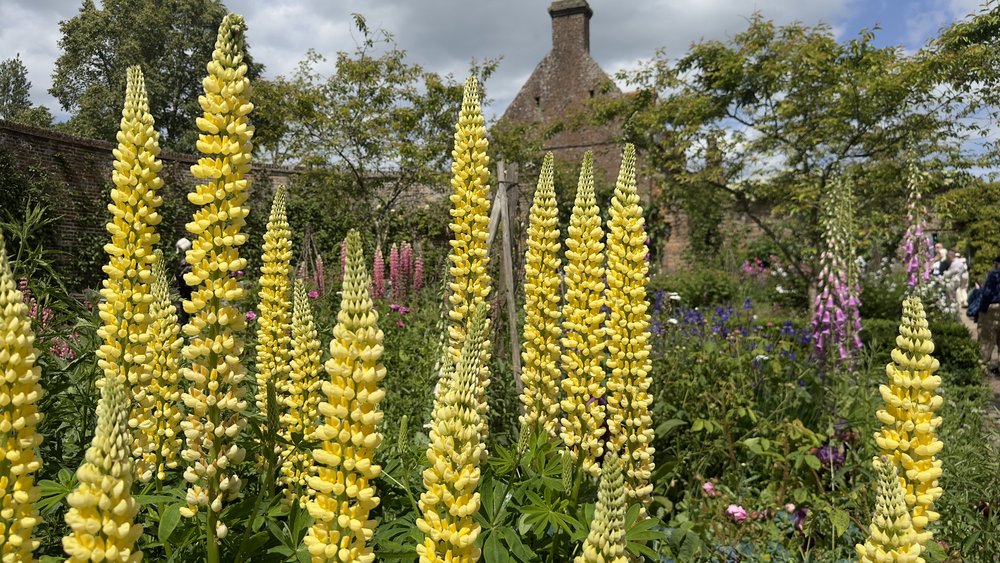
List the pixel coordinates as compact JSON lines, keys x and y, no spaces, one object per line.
{"x":446,"y":35}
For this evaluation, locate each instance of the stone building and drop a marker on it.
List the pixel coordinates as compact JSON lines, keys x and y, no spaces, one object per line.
{"x":557,"y":94}
{"x":561,"y":86}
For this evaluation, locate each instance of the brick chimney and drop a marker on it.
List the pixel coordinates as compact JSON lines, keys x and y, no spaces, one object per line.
{"x":570,"y":25}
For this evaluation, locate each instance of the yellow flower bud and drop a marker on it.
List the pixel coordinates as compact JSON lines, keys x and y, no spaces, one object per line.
{"x":274,"y":303}
{"x":344,"y":475}
{"x":469,"y":256}
{"x":908,"y":436}
{"x":19,"y":416}
{"x":629,"y":421}
{"x":606,"y":541}
{"x":300,"y":398}
{"x":891,"y":535}
{"x":215,"y":396}
{"x":582,"y":424}
{"x":102,"y":510}
{"x":540,"y":345}
{"x":450,"y":501}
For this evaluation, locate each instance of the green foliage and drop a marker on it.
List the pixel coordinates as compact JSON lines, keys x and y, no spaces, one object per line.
{"x":15,"y":95}
{"x":700,"y":287}
{"x":953,"y":347}
{"x":373,"y":137}
{"x":806,"y":106}
{"x":170,"y":40}
{"x":974,"y":211}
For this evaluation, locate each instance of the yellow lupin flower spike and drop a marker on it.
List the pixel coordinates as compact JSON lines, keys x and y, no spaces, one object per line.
{"x":540,"y":349}
{"x":469,"y":256}
{"x":606,"y":540}
{"x":214,"y":398}
{"x":891,"y":536}
{"x":909,"y":428}
{"x":629,"y":422}
{"x":449,"y":502}
{"x":582,"y":425}
{"x":344,"y":480}
{"x":164,"y":351}
{"x":19,"y":416}
{"x":275,"y":304}
{"x":300,"y":398}
{"x":126,"y":290}
{"x":102,"y":510}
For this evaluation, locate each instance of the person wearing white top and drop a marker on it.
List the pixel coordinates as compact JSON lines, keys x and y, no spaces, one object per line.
{"x":957,"y":279}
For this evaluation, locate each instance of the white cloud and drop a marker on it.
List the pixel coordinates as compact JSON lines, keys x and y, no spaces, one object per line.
{"x":445,"y":35}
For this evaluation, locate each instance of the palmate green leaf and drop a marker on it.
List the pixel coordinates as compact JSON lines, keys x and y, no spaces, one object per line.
{"x":539,"y":516}
{"x":52,"y":493}
{"x":640,"y":532}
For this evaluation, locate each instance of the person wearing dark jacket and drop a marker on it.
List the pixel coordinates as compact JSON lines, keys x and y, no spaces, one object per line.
{"x":988,"y":314}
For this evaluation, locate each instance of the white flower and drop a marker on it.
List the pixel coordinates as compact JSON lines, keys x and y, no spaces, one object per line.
{"x":674,"y":296}
{"x":672,"y":321}
{"x":760,"y":358}
{"x":780,"y":290}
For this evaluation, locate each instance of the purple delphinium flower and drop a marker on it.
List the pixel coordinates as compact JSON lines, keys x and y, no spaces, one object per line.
{"x":831,"y":456}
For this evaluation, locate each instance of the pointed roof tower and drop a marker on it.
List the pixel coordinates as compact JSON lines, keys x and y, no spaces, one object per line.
{"x":562,"y":84}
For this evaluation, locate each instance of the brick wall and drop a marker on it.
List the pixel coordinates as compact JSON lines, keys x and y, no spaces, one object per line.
{"x":80,"y":172}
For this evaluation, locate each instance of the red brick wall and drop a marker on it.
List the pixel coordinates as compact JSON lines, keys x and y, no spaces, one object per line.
{"x":80,"y":171}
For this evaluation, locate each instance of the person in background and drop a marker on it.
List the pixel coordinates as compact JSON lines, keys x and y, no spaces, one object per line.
{"x":988,"y":315}
{"x":956,"y":272}
{"x":182,"y":246}
{"x":940,"y":255}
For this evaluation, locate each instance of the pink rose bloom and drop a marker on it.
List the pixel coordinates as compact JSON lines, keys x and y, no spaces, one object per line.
{"x":709,"y":488}
{"x":251,"y":316}
{"x":736,"y":512}
{"x":789,"y":508}
{"x":313,"y":294}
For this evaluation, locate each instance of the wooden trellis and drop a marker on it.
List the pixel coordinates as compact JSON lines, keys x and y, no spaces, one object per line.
{"x":504,"y":208}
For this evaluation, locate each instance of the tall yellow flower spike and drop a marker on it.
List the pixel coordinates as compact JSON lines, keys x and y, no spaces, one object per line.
{"x":540,"y":349}
{"x":891,"y":536}
{"x":300,"y":396}
{"x":344,"y":481}
{"x":449,"y":502}
{"x":214,"y":398}
{"x":164,"y":351}
{"x":275,"y":304}
{"x":583,"y":328}
{"x":102,"y":510}
{"x":469,"y":257}
{"x":908,"y":435}
{"x":19,"y":416}
{"x":126,"y":292}
{"x":606,"y":540}
{"x":629,"y":422}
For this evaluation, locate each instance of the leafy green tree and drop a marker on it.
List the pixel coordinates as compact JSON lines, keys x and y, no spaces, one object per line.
{"x":15,"y":95}
{"x":171,"y":39}
{"x":373,"y":138}
{"x":761,"y":123}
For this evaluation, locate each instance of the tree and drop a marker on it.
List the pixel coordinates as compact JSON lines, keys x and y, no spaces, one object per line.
{"x":15,"y":95}
{"x":171,"y":40}
{"x":15,"y":90}
{"x":373,"y":137}
{"x":760,"y":124}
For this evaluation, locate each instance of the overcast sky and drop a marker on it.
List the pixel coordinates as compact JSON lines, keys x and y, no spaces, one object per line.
{"x":445,"y":35}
